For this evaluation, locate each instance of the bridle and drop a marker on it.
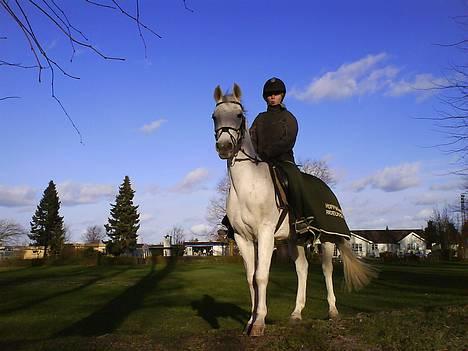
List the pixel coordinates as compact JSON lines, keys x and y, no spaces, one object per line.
{"x":240,"y":135}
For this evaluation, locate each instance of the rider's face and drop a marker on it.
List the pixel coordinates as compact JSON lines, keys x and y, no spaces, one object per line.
{"x":274,"y":99}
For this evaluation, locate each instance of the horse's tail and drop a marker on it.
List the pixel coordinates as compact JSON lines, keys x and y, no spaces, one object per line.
{"x":356,"y":272}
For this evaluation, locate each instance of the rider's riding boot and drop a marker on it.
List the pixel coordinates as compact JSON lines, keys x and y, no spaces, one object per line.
{"x":230,"y":229}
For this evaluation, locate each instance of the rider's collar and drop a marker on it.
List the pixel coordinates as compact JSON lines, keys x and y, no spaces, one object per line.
{"x":276,"y":108}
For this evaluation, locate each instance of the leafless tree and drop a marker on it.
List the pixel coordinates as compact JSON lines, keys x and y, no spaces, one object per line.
{"x":441,"y":229}
{"x":24,"y":14}
{"x":94,"y":234}
{"x":177,"y":233}
{"x":452,"y":113}
{"x":216,"y":209}
{"x":11,"y":233}
{"x":318,"y":168}
{"x":67,"y":235}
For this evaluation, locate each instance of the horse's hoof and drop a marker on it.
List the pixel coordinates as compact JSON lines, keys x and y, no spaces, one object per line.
{"x":247,"y":329}
{"x":295,"y":318}
{"x":333,"y":314}
{"x":257,"y":330}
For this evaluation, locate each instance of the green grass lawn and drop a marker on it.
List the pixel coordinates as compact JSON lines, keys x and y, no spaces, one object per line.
{"x":204,"y":303}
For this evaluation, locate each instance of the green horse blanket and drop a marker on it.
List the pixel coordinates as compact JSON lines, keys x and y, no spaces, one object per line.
{"x":328,"y":216}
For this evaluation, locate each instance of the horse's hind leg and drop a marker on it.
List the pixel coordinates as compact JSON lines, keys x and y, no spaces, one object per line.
{"x":297,"y":253}
{"x":327,"y":267}
{"x":247,"y":251}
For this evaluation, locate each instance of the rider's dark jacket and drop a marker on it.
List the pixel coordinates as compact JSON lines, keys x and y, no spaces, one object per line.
{"x":274,"y":133}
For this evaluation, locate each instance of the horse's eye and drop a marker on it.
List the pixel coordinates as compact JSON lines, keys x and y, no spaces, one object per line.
{"x":213,"y":116}
{"x":240,"y":115}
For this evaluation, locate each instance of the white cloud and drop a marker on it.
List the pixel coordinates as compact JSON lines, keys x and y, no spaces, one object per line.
{"x":200,"y":229}
{"x":146,"y":217}
{"x":365,"y":76}
{"x":192,"y":180}
{"x":152,"y":126}
{"x":456,"y":185}
{"x":71,"y":193}
{"x":16,"y":196}
{"x":422,"y":85}
{"x":424,"y":214}
{"x":356,"y":78}
{"x":429,"y":199}
{"x":391,"y":179}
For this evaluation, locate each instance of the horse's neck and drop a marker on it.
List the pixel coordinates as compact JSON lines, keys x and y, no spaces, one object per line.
{"x":243,"y":169}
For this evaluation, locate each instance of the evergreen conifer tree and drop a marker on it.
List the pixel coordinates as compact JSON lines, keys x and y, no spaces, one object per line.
{"x":123,"y":222}
{"x":47,"y":225}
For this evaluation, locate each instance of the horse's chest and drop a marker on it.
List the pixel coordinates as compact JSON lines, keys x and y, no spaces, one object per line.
{"x":242,"y":216}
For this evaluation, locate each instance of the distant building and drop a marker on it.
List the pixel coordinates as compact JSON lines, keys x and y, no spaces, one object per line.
{"x":206,"y":248}
{"x":400,"y":242}
{"x":21,"y":252}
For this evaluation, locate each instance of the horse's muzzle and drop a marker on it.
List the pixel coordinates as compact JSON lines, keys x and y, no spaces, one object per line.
{"x":224,"y":149}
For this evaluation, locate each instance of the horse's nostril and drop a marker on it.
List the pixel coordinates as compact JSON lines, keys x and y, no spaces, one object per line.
{"x":223,"y":146}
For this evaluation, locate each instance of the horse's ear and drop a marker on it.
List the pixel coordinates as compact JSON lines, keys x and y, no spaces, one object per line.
{"x":218,"y":94}
{"x":237,"y":92}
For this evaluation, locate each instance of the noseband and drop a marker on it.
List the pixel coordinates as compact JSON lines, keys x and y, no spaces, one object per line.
{"x":240,"y":130}
{"x":240,"y":134}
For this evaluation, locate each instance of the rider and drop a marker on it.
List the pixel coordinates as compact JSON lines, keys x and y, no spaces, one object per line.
{"x":273,"y":135}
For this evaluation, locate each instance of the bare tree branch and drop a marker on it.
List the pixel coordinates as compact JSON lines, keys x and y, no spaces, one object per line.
{"x":11,"y":233}
{"x":177,"y":233}
{"x":9,"y":97}
{"x":94,"y":234}
{"x":319,"y":169}
{"x":18,"y":65}
{"x":186,"y":7}
{"x":53,"y":13}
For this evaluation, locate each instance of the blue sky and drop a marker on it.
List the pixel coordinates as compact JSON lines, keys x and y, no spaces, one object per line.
{"x":357,"y":74}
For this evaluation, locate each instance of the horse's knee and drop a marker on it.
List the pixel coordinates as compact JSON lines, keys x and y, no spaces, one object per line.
{"x":250,"y":280}
{"x":327,"y":266}
{"x":261,"y":279}
{"x":302,"y":267}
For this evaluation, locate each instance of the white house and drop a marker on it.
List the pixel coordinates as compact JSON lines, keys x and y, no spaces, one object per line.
{"x":401,"y":242}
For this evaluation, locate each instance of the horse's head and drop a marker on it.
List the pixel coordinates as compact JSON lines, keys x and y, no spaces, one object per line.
{"x":229,"y":122}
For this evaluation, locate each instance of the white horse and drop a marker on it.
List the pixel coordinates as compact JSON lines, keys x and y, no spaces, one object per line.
{"x":253,"y":213}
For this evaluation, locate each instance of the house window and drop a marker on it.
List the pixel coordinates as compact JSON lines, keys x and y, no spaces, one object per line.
{"x":335,"y":251}
{"x":374,"y":247}
{"x":360,"y":248}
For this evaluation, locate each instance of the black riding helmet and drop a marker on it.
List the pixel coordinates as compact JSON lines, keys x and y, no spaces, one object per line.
{"x":273,"y":85}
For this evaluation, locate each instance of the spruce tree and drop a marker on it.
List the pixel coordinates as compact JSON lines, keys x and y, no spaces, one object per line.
{"x":47,"y":225}
{"x":123,"y":222}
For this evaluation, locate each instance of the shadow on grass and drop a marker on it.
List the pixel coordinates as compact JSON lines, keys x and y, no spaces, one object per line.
{"x":33,"y":274}
{"x":210,"y":311}
{"x":109,"y":317}
{"x":61,"y":293}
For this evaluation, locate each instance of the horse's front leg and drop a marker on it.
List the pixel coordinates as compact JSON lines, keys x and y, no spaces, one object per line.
{"x":327,"y":268}
{"x":297,"y":253}
{"x":266,"y":243}
{"x":247,"y":251}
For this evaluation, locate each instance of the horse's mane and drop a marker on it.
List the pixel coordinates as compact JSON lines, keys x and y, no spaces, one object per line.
{"x":229,"y":97}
